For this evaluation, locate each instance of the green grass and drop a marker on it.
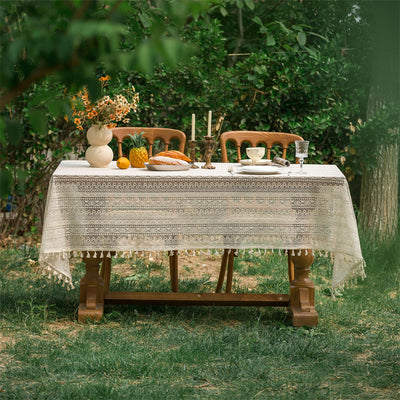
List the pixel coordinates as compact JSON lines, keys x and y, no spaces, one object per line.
{"x":160,"y":352}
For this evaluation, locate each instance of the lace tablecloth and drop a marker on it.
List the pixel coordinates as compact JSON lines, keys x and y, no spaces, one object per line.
{"x":110,"y":209}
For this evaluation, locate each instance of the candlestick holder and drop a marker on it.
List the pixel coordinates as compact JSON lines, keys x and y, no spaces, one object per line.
{"x":209,"y":143}
{"x":192,"y":153}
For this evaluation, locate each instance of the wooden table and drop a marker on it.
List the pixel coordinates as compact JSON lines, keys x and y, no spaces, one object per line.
{"x":95,"y":213}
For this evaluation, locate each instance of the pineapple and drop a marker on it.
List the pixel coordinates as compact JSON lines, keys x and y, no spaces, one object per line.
{"x":138,"y":154}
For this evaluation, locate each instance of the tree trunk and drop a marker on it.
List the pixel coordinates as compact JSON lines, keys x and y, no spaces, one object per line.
{"x":379,"y":195}
{"x":379,"y":199}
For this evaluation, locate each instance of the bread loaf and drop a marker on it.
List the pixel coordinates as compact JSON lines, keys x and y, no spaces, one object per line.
{"x":162,"y":160}
{"x":173,"y":154}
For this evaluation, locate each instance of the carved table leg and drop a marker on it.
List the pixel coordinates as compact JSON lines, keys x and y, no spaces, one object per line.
{"x":91,"y":298}
{"x":302,"y":291}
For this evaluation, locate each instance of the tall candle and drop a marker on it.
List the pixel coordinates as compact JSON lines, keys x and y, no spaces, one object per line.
{"x":193,"y":126}
{"x":209,"y":124}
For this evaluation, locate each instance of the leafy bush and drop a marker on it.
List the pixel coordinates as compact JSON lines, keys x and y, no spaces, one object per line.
{"x":256,"y":67}
{"x":382,"y":129}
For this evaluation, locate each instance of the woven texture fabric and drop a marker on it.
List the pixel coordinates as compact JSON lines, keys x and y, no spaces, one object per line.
{"x":109,"y":209}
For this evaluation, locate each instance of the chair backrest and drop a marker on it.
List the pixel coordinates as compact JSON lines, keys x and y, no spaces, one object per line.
{"x":255,"y":138}
{"x":151,"y":135}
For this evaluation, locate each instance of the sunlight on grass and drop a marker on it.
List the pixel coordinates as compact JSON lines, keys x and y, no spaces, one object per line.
{"x":161,"y":352}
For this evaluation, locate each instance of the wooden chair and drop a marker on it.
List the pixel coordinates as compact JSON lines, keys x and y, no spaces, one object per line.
{"x":254,"y":138}
{"x":151,"y":135}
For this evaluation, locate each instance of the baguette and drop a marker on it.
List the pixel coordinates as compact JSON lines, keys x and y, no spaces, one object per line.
{"x":162,"y":160}
{"x":174,"y":154}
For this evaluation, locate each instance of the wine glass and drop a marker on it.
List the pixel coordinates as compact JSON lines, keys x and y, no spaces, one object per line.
{"x":301,"y":152}
{"x":255,"y":153}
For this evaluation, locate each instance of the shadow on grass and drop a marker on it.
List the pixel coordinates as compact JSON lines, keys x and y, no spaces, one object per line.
{"x":165,"y":352}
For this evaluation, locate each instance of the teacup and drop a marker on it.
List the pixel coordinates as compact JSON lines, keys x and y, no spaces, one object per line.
{"x":255,"y":153}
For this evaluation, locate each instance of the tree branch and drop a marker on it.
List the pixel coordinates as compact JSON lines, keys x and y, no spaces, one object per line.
{"x":32,"y":78}
{"x":80,"y":11}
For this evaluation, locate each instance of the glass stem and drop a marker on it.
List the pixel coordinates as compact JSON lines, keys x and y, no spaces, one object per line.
{"x":301,"y":162}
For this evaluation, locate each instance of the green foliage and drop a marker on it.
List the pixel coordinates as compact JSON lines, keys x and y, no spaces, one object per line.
{"x":46,"y":50}
{"x":257,"y":65}
{"x":29,"y":159}
{"x":366,"y":138}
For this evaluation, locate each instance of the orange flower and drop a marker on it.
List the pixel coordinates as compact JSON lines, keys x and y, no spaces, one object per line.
{"x":105,"y":111}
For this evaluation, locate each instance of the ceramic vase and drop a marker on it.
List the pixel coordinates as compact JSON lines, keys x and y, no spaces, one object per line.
{"x":99,"y":154}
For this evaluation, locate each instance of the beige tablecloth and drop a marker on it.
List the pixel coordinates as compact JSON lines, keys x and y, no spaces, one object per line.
{"x":110,"y":209}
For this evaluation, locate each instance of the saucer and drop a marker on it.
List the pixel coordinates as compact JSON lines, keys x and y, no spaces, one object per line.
{"x":259,"y":162}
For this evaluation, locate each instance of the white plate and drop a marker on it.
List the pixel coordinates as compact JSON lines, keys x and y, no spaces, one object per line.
{"x":167,"y":167}
{"x":259,"y":162}
{"x":258,"y":170}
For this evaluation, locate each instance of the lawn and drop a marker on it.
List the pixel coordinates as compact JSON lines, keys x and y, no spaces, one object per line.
{"x":160,"y":352}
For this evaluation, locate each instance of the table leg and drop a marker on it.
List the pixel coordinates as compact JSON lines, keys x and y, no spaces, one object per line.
{"x":302,"y":291}
{"x":173,"y":270}
{"x":91,"y":298}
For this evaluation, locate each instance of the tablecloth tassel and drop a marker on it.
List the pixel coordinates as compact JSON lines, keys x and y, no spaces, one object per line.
{"x":102,"y":254}
{"x":236,"y":252}
{"x":293,"y":253}
{"x":108,"y":255}
{"x":312,"y":252}
{"x":95,"y":254}
{"x":87,"y":255}
{"x":171,"y":253}
{"x":306,"y":252}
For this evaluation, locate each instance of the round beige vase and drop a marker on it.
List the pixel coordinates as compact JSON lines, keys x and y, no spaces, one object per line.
{"x":99,"y":154}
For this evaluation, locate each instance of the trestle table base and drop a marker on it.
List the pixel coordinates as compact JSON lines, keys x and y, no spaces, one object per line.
{"x":300,"y":300}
